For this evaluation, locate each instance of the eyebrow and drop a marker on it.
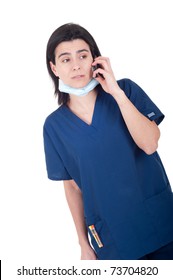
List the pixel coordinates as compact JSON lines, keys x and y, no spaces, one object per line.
{"x":68,"y":53}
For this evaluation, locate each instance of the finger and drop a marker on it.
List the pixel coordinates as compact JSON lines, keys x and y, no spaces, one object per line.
{"x":101,"y":57}
{"x":105,"y":64}
{"x":99,"y":73}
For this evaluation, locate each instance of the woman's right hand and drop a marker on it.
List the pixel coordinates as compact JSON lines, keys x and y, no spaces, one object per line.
{"x":87,"y":253}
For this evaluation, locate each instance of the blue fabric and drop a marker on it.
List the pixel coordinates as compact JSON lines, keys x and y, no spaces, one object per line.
{"x":126,"y":193}
{"x":163,"y":253}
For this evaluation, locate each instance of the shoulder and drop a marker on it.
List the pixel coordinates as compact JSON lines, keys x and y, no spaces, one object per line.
{"x":53,"y":117}
{"x":132,"y":90}
{"x":127,"y":85}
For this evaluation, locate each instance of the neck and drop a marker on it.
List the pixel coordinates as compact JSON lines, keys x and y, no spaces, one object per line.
{"x":82,"y":103}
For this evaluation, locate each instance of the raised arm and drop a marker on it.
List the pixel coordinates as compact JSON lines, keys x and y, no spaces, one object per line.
{"x":144,"y":132}
{"x":75,"y":203}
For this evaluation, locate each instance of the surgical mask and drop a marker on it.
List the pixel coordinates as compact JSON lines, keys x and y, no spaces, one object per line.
{"x":78,"y":91}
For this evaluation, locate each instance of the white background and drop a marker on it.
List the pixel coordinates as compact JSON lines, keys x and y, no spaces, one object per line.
{"x":137,"y":36}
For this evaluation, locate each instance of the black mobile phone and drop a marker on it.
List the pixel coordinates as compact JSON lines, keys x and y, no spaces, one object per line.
{"x":96,"y":67}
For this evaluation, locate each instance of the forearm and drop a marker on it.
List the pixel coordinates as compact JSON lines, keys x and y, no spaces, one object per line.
{"x":144,"y":132}
{"x":75,"y":203}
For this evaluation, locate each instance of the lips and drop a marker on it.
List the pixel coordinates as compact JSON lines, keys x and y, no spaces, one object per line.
{"x":78,"y":77}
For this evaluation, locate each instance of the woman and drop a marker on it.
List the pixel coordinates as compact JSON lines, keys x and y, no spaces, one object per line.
{"x":102,"y":143}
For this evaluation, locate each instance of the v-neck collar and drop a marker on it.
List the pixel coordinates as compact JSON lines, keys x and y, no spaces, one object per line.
{"x":77,"y":119}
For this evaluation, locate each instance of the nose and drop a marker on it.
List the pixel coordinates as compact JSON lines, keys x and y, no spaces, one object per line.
{"x":76,"y":67}
{"x":76,"y":64}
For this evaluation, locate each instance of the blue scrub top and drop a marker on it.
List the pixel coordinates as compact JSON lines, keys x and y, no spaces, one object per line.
{"x":126,"y":193}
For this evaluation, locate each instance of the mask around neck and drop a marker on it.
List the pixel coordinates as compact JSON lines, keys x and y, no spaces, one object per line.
{"x":78,"y":91}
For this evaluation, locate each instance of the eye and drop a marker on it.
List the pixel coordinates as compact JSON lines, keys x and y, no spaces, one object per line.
{"x":65,"y":60}
{"x":83,"y":56}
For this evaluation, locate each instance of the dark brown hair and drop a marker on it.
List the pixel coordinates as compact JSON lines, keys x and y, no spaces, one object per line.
{"x":67,"y":32}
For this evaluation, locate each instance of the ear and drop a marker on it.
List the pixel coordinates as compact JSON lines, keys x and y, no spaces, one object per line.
{"x":53,"y":68}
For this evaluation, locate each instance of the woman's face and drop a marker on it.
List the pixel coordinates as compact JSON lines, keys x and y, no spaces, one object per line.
{"x":73,"y":61}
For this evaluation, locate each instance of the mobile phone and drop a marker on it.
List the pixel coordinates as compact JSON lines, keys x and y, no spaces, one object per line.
{"x":96,"y":67}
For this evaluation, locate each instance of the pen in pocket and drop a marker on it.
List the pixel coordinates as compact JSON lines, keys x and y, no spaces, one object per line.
{"x":95,"y":235}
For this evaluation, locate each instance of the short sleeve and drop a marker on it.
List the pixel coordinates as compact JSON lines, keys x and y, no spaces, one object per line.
{"x":143,"y":103}
{"x":54,"y":164}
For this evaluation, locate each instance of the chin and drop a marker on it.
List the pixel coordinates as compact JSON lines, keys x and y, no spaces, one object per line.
{"x":80,"y":84}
